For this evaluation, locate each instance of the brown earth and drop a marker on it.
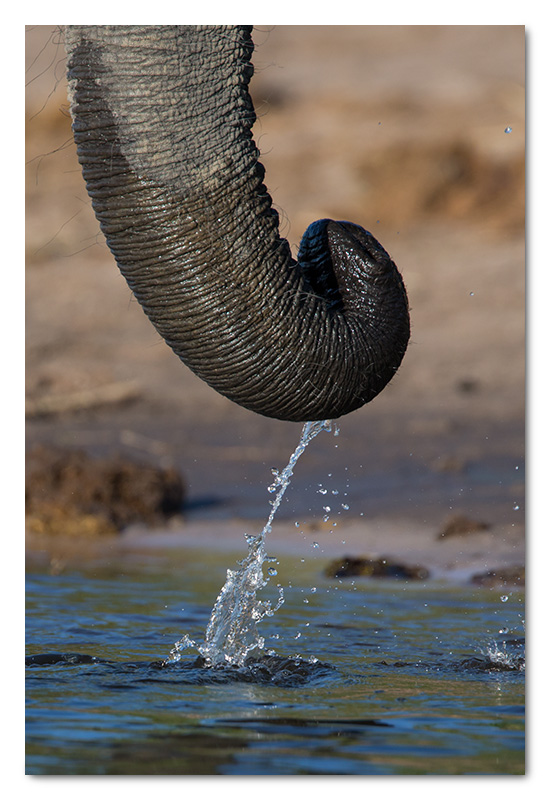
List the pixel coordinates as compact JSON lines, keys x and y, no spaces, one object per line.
{"x":68,"y":493}
{"x":401,"y":129}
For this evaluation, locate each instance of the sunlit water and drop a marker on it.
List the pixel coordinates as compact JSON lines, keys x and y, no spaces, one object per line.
{"x":349,"y":677}
{"x":369,"y":678}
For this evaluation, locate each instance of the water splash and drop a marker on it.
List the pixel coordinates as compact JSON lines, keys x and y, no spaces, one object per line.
{"x":506,"y":654}
{"x":232,"y":630}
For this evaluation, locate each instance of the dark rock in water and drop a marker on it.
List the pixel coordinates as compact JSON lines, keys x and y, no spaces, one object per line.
{"x":514,"y":576}
{"x":285,"y":671}
{"x":353,"y":566}
{"x":489,"y":664}
{"x":280,"y":671}
{"x":261,"y":669}
{"x":68,"y":492}
{"x":48,"y":659}
{"x":458,"y":525}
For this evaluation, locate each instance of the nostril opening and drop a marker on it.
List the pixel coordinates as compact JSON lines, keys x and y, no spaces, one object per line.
{"x":315,"y":264}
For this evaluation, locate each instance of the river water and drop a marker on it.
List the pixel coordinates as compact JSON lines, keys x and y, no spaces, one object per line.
{"x":365,"y":677}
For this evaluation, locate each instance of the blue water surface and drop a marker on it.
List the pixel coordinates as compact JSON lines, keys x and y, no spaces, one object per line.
{"x":357,"y":677}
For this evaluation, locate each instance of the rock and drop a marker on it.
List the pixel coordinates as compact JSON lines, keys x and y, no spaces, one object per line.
{"x":459,"y":524}
{"x":384,"y":567}
{"x":514,"y":576}
{"x":467,"y":385}
{"x":68,"y":492}
{"x":448,"y":464}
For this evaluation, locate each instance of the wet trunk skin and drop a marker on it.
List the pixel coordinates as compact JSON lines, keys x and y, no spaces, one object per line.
{"x":162,"y":120}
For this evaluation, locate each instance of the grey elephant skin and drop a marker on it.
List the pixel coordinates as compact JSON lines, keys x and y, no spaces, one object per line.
{"x":162,"y":120}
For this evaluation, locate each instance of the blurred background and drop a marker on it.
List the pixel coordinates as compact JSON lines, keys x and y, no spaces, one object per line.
{"x":415,"y":133}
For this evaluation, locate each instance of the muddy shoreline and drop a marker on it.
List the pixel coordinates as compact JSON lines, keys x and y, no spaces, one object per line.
{"x":487,"y":559}
{"x":391,"y":494}
{"x":423,"y":468}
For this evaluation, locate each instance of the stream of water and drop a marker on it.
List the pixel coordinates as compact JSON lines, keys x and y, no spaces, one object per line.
{"x":232,"y":630}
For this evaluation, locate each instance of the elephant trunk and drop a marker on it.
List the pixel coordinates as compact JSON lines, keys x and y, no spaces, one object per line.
{"x":162,"y":120}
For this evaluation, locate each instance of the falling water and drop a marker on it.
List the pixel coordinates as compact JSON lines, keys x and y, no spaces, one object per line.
{"x":232,"y":629}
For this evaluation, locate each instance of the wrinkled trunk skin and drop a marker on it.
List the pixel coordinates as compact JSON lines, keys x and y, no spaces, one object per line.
{"x":162,"y":120}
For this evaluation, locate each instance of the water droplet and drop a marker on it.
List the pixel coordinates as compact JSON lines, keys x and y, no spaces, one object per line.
{"x":345,"y":506}
{"x":504,"y":630}
{"x":326,"y":508}
{"x":508,"y":129}
{"x":271,"y":571}
{"x":504,"y":598}
{"x":322,"y":491}
{"x":471,"y":294}
{"x":315,"y":544}
{"x":334,"y":491}
{"x":516,"y":507}
{"x":298,"y":635}
{"x":296,"y":524}
{"x":314,"y":589}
